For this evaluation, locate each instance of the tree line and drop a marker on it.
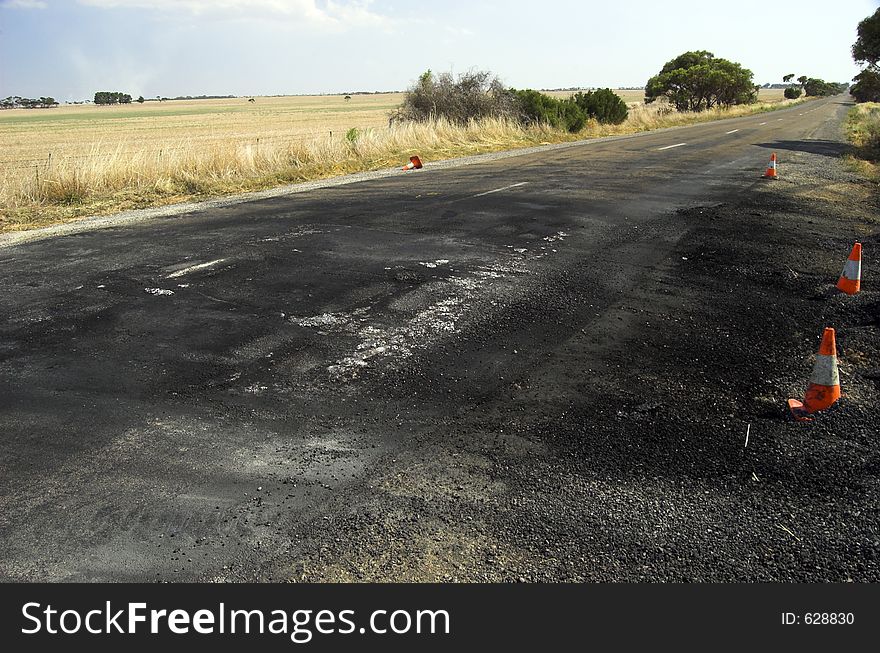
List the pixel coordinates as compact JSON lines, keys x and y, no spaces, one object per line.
{"x":811,"y":86}
{"x":476,"y":95}
{"x":112,"y":97}
{"x":17,"y":102}
{"x":693,"y":81}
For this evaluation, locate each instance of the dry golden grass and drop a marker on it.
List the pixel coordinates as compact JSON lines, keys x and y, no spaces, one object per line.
{"x":106,"y":159}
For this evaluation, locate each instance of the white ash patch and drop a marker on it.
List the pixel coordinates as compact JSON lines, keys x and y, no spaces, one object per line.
{"x":158,"y":291}
{"x":346,"y":369}
{"x":434,"y":264}
{"x":559,"y":235}
{"x":325,"y":320}
{"x":304,"y":231}
{"x":388,"y":345}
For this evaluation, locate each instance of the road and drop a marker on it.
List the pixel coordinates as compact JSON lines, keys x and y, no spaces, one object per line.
{"x":397,"y":379}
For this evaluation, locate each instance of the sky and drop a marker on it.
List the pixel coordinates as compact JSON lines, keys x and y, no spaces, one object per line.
{"x":68,"y":49}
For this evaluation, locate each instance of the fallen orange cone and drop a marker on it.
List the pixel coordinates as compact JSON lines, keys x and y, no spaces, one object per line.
{"x":851,"y":278}
{"x":414,"y":162}
{"x":771,"y":169}
{"x":824,"y":387}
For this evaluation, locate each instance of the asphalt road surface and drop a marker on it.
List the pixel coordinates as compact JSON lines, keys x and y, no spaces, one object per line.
{"x":502,"y":371}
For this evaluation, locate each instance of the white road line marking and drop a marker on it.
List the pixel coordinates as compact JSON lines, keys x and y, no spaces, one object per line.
{"x":670,"y":146}
{"x":193,"y":268}
{"x":763,"y":123}
{"x":498,"y":190}
{"x":732,"y":131}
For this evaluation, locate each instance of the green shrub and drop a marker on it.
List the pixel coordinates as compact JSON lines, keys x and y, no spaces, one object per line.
{"x":573,"y":119}
{"x":792,"y":93}
{"x":603,"y":105}
{"x":352,"y":135}
{"x":536,"y":107}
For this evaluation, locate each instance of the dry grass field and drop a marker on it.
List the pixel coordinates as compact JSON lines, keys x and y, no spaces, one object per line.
{"x":61,"y":164}
{"x":74,"y":130}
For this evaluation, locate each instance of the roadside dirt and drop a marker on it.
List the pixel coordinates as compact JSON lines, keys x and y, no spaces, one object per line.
{"x":639,"y":469}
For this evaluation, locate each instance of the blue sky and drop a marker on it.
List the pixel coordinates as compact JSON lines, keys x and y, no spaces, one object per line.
{"x":70,"y":48}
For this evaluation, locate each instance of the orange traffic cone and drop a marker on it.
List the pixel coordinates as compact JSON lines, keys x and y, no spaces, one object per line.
{"x":414,"y":162}
{"x":851,"y":278}
{"x":771,"y":169}
{"x":824,"y":387}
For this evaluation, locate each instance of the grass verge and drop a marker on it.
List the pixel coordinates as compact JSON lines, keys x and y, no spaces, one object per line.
{"x":863,"y":131}
{"x":101,"y":183}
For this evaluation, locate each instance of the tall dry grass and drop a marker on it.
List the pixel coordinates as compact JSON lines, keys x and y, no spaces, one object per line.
{"x":98,"y":181}
{"x":863,"y":129}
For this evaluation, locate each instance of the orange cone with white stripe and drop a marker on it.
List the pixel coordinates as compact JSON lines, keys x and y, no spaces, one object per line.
{"x":851,"y":278}
{"x":414,"y":162}
{"x":824,"y":387}
{"x":771,"y":169}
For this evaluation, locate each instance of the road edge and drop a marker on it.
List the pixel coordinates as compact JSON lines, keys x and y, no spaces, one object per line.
{"x":139,"y":216}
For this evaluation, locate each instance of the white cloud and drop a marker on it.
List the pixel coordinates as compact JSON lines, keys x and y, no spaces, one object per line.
{"x":23,"y":4}
{"x":350,"y":13}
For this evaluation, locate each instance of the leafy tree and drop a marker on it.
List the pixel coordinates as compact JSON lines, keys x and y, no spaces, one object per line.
{"x":141,"y":99}
{"x":603,"y":105}
{"x":867,"y":86}
{"x":866,"y":49}
{"x":802,"y":80}
{"x":821,"y":88}
{"x":695,"y":81}
{"x":788,"y":78}
{"x":792,"y":93}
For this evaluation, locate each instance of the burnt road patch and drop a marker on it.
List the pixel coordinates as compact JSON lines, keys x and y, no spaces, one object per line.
{"x":528,"y":368}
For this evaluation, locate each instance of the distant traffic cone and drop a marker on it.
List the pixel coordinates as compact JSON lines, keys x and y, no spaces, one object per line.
{"x":851,"y":278}
{"x":771,"y":169}
{"x":414,"y":162}
{"x":824,"y":387}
